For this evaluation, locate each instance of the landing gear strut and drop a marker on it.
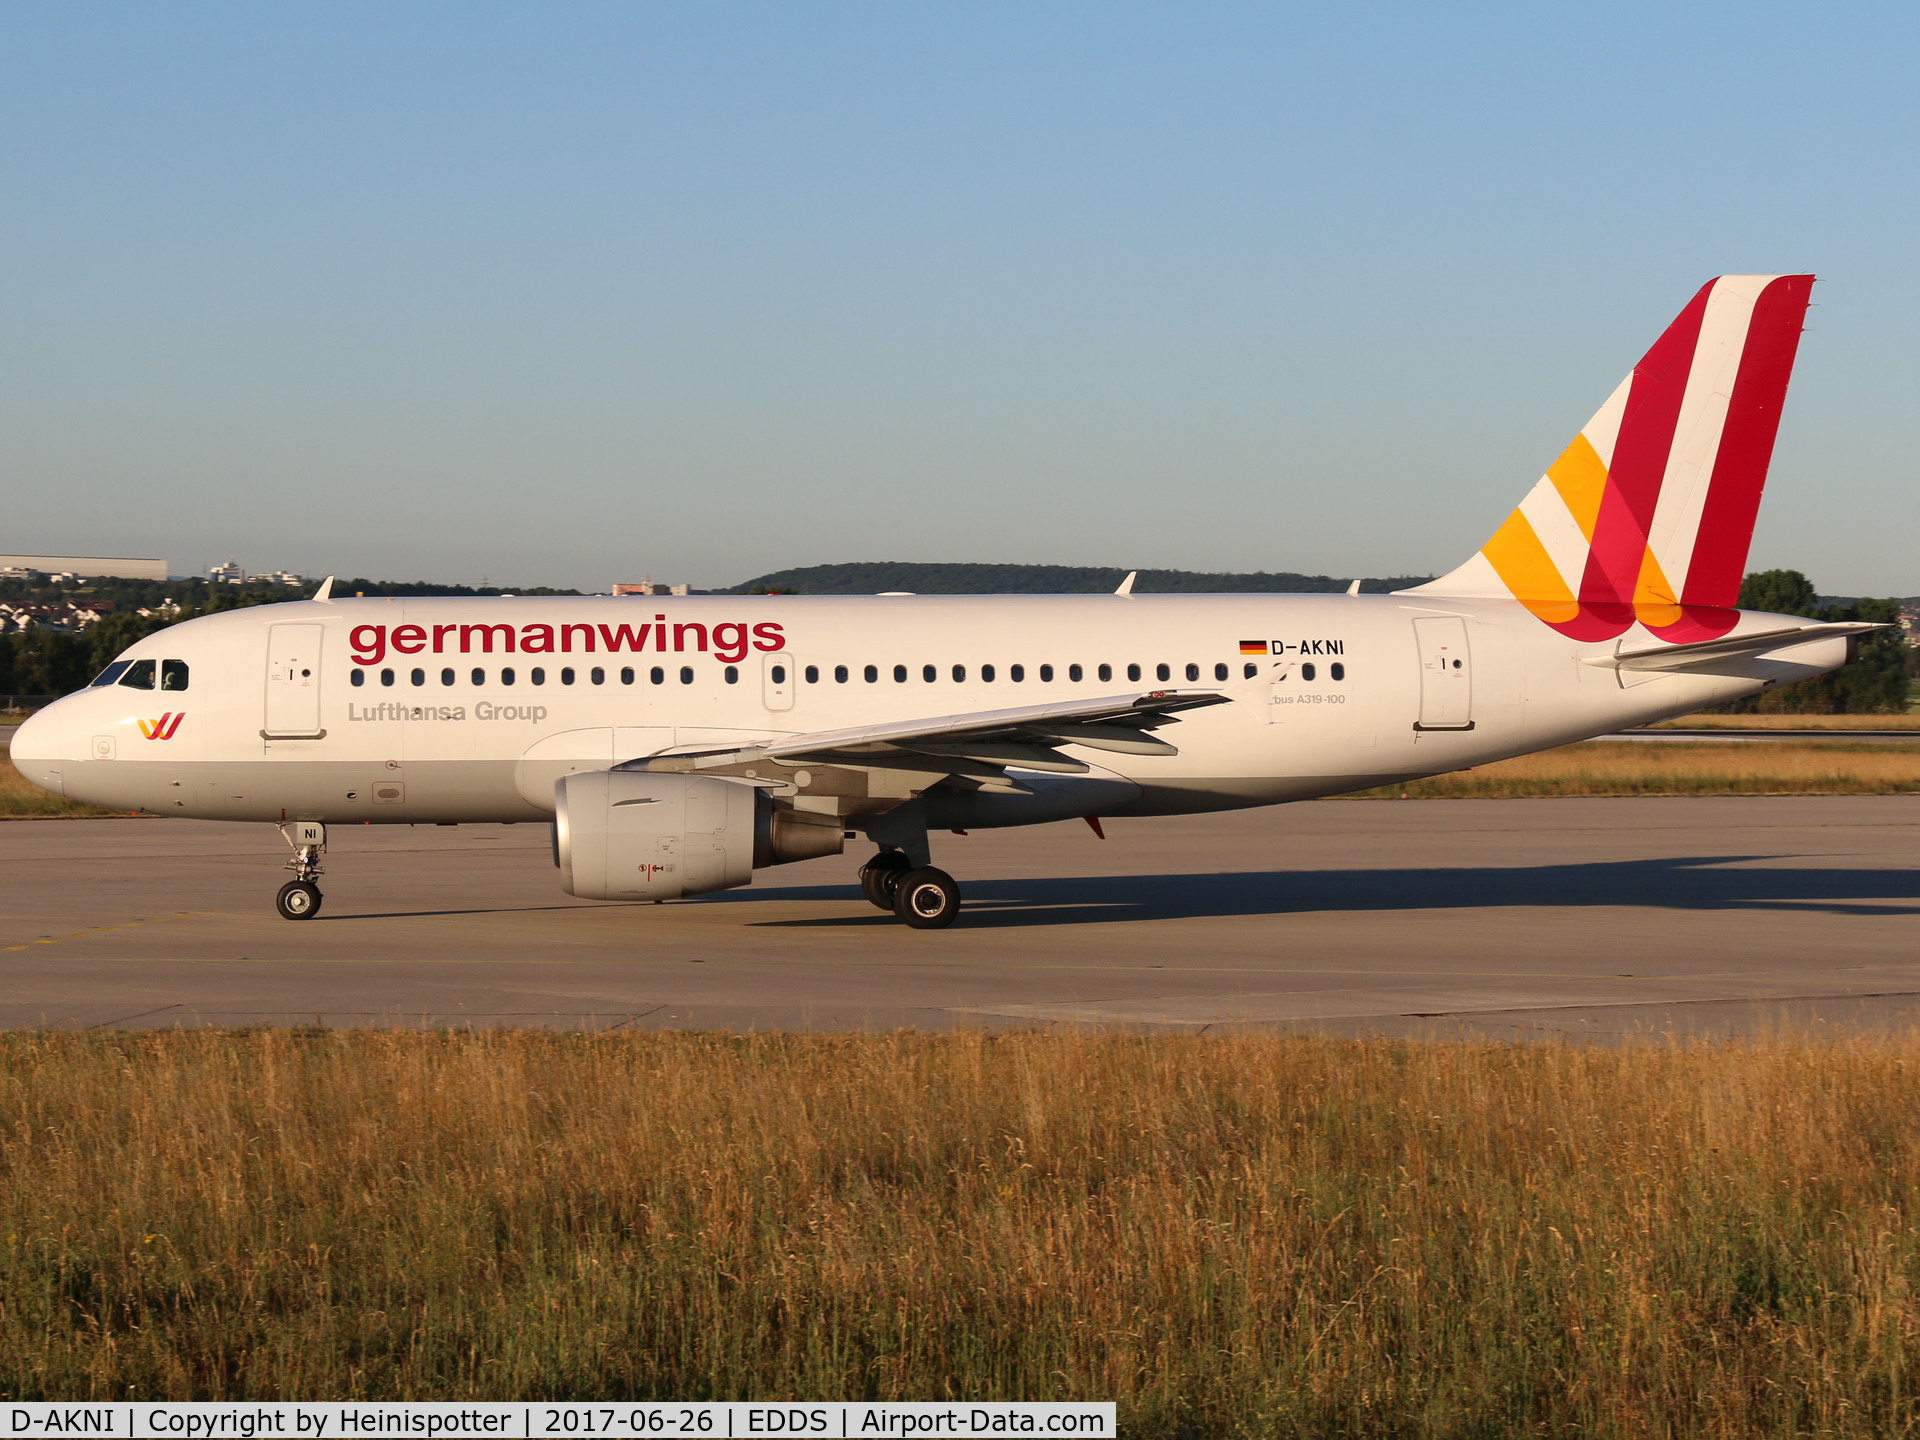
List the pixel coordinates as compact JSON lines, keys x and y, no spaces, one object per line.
{"x":299,"y":898}
{"x":901,"y":878}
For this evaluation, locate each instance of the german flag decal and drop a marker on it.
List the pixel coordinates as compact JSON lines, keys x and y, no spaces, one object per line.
{"x":1253,"y":647}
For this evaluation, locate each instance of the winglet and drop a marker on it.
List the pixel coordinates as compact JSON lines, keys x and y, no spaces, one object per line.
{"x":325,"y":592}
{"x":1354,"y":588}
{"x":1126,"y":585}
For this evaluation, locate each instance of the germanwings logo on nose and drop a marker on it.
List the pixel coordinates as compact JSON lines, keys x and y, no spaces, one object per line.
{"x":163,"y":728}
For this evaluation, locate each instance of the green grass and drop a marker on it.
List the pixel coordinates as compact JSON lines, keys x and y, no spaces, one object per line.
{"x":1236,"y":1236}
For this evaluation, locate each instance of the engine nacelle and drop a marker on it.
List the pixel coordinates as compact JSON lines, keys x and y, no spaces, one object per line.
{"x":631,"y":835}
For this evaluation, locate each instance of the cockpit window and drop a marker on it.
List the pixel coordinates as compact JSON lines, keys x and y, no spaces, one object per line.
{"x":139,"y":675}
{"x":173,"y":674}
{"x":111,"y":673}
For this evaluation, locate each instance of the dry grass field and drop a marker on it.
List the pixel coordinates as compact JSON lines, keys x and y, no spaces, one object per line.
{"x":1679,"y":767}
{"x":1793,"y":722}
{"x":1228,"y":1236}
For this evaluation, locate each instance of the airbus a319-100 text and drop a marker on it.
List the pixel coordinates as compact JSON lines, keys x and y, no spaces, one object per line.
{"x":677,"y":745}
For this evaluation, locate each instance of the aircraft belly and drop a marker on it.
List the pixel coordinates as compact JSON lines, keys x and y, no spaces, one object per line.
{"x":340,"y":792}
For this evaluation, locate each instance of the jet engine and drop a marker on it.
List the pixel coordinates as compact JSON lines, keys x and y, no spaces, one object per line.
{"x":630,"y":835}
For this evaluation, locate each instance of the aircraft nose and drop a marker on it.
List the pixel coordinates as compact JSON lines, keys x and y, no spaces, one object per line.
{"x":38,"y":748}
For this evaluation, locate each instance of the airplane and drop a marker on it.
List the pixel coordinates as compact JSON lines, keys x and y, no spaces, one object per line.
{"x":677,"y":745}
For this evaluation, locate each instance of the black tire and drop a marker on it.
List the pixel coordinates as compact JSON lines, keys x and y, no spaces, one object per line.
{"x":298,"y":900}
{"x":927,"y":899}
{"x":880,"y":875}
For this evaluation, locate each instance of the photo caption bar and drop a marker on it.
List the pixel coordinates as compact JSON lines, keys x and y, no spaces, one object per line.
{"x":433,"y":1419}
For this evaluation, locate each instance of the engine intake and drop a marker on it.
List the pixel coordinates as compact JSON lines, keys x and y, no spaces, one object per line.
{"x":632,"y":835}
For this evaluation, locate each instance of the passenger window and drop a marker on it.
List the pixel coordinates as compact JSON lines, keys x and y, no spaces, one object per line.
{"x":686,"y":674}
{"x":839,"y":674}
{"x":872,"y":673}
{"x":1074,"y":672}
{"x":626,"y":675}
{"x":139,"y":675}
{"x":1193,"y":671}
{"x":899,"y":674}
{"x":986,"y":674}
{"x":597,"y":675}
{"x":813,"y":674}
{"x":929,"y":673}
{"x":733,"y":675}
{"x":1046,"y":674}
{"x":1306,"y":671}
{"x":1220,"y":671}
{"x":566,"y":675}
{"x":1249,"y":670}
{"x":114,"y":671}
{"x":386,"y":676}
{"x":1016,"y":673}
{"x":1163,"y":671}
{"x":779,"y":674}
{"x":959,"y":674}
{"x":656,"y":676}
{"x":539,"y":676}
{"x":173,"y":674}
{"x":1133,"y":672}
{"x":446,"y":677}
{"x":359,"y":677}
{"x":479,"y":676}
{"x":1337,"y":670}
{"x":418,"y":677}
{"x":506,"y":677}
{"x":1106,"y":672}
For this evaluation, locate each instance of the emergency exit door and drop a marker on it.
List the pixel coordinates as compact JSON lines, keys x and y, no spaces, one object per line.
{"x":1446,"y":673}
{"x":778,"y":682}
{"x":293,"y":682}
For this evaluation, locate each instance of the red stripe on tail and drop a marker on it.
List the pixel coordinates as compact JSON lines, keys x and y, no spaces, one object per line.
{"x":1640,"y":461}
{"x":1746,"y":445}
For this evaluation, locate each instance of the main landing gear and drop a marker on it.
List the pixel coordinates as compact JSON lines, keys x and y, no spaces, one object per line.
{"x":299,"y":898}
{"x":926,"y":898}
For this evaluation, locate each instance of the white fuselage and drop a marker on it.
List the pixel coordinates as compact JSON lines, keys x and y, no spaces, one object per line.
{"x":468,"y":710}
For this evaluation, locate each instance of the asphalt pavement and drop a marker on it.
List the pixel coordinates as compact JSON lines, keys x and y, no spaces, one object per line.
{"x":1596,"y":918}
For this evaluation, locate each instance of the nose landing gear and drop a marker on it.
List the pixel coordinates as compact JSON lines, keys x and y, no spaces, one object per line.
{"x":299,"y":898}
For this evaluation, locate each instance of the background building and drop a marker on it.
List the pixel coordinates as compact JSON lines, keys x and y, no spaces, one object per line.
{"x":87,"y":566}
{"x":648,"y":587}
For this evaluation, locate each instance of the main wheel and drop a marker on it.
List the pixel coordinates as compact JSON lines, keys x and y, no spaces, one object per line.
{"x":298,"y":900}
{"x":880,"y":875}
{"x":926,"y":899}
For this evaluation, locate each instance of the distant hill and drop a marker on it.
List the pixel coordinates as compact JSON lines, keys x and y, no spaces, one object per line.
{"x":875,"y":577}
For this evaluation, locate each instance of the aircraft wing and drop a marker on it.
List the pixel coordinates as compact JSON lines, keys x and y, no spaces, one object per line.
{"x":977,"y":746}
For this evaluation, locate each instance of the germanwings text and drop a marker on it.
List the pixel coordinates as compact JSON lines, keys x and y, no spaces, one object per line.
{"x":728,"y":641}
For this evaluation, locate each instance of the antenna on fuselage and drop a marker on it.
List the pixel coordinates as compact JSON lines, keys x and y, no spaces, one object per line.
{"x":1126,"y":585}
{"x":1354,"y":588}
{"x":325,"y":592}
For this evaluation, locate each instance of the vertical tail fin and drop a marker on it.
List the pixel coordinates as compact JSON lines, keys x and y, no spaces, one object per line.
{"x":1648,"y":514}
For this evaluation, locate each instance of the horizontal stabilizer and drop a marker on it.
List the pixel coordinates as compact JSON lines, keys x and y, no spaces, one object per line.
{"x":1708,"y":654}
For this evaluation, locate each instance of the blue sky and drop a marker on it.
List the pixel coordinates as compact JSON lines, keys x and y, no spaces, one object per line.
{"x":575,"y":294}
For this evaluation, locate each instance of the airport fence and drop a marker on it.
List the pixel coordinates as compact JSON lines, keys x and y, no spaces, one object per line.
{"x":23,"y":704}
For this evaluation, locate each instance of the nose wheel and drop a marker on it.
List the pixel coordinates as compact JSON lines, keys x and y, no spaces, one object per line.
{"x":299,"y":898}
